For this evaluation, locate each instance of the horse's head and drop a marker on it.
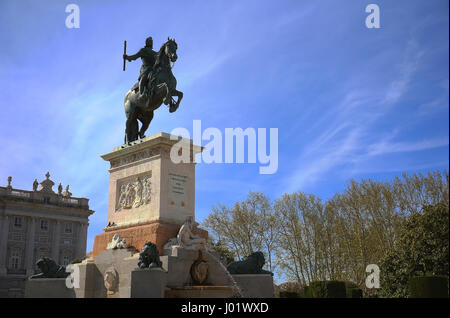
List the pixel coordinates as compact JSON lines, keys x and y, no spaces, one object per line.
{"x":170,"y":49}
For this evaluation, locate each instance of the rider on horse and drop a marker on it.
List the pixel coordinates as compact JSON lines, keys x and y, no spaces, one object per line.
{"x":157,"y":78}
{"x":148,"y":57}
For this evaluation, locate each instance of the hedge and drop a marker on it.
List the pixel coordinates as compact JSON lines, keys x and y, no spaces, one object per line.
{"x":326,"y":289}
{"x":354,"y":293}
{"x":289,"y":294}
{"x":428,"y":287}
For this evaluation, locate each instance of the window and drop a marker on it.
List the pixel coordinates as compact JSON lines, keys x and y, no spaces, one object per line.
{"x":14,"y":259}
{"x":44,"y":225}
{"x":67,"y":242}
{"x":18,"y":222}
{"x":43,"y":252}
{"x":17,"y":237}
{"x":68,"y":228}
{"x":46,"y":200}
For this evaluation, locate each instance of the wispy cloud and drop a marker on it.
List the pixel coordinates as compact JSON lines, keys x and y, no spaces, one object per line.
{"x":349,"y":126}
{"x":411,"y":62}
{"x":399,"y":168}
{"x":313,"y":167}
{"x":436,"y":105}
{"x":385,"y":147}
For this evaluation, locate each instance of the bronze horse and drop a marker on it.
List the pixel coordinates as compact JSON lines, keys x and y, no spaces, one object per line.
{"x":162,"y":85}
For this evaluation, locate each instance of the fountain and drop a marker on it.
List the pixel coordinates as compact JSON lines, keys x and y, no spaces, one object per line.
{"x":151,"y":210}
{"x":197,"y":272}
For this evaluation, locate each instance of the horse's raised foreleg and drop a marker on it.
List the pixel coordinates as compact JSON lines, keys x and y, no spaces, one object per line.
{"x":174,"y":106}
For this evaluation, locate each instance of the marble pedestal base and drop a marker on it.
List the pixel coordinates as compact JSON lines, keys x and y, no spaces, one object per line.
{"x":48,"y":288}
{"x":255,"y":286}
{"x":148,"y":283}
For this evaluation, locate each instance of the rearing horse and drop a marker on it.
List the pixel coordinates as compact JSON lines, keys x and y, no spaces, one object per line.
{"x":162,"y":85}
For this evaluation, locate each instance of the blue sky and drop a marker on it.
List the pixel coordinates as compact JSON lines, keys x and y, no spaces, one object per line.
{"x":348,"y":102}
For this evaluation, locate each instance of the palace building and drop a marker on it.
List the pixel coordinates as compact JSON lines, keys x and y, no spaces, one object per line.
{"x":35,"y":224}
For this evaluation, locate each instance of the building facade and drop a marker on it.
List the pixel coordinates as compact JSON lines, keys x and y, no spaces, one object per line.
{"x":35,"y":224}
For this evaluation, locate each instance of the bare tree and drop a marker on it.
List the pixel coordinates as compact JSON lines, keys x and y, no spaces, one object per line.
{"x":305,"y":239}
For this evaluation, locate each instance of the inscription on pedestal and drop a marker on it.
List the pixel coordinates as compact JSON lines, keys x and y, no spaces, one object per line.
{"x":177,"y":190}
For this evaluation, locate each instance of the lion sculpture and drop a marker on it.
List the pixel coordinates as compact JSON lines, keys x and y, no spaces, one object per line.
{"x":253,"y":264}
{"x":49,"y":269}
{"x":149,"y":256}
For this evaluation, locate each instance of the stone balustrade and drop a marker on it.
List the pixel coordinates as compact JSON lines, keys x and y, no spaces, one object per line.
{"x":44,"y":197}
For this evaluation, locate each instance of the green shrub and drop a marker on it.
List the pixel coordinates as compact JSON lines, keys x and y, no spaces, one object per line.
{"x":353,"y":290}
{"x":307,"y":292}
{"x":428,"y":287}
{"x":354,"y":293}
{"x":422,"y":245}
{"x":318,"y":289}
{"x":336,"y":289}
{"x":289,"y":294}
{"x":350,"y":285}
{"x":328,"y":289}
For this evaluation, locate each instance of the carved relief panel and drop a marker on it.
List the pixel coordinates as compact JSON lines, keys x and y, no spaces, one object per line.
{"x":133,"y":193}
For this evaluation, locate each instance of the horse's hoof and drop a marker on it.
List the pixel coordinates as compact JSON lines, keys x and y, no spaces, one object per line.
{"x":173,"y":108}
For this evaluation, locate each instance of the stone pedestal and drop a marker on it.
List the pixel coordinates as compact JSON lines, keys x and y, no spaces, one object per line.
{"x":108,"y":275}
{"x":148,"y":283}
{"x":87,"y":283}
{"x":48,"y":288}
{"x":255,"y":286}
{"x":150,"y":196}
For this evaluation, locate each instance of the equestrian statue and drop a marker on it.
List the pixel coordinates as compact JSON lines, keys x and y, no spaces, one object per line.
{"x":156,"y":85}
